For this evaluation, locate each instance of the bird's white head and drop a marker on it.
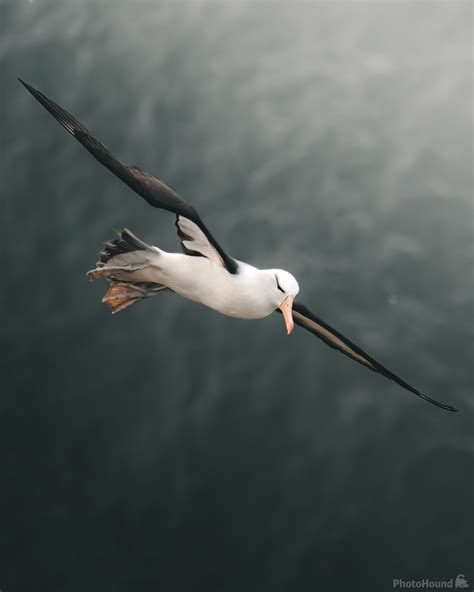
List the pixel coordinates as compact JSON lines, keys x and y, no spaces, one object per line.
{"x":286,"y":289}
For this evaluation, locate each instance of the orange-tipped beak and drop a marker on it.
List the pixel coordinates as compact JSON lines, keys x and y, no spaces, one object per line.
{"x":286,"y":309}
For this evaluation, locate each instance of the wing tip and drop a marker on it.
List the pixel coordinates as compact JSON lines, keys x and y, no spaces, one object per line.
{"x":449,"y":408}
{"x":444,"y":406}
{"x":28,"y":87}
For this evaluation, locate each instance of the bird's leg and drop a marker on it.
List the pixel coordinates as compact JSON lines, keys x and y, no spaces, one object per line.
{"x":121,"y":295}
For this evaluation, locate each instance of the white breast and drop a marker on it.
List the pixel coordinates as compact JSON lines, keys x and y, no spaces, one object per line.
{"x":245,"y":294}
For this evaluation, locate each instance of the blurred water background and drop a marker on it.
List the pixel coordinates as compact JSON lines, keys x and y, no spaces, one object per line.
{"x":169,"y":448}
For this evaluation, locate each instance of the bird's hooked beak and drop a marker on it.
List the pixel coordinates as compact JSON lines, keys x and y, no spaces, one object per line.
{"x":286,"y":309}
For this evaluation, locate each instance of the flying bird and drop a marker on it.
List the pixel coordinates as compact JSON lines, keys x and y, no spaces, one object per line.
{"x":203,"y":272}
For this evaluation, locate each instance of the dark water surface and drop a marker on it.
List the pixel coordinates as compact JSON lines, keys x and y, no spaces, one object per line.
{"x":173,"y":449}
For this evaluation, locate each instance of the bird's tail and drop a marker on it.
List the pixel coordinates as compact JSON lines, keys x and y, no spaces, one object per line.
{"x":124,"y":261}
{"x":126,"y":242}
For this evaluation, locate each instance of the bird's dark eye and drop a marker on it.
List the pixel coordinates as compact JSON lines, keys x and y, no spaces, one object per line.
{"x":278,"y":286}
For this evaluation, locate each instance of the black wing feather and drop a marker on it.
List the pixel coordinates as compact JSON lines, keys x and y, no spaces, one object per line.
{"x":154,"y":191}
{"x":303,"y":317}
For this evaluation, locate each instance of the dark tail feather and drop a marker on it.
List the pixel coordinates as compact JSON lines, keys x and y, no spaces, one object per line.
{"x":125,"y":243}
{"x":121,"y":295}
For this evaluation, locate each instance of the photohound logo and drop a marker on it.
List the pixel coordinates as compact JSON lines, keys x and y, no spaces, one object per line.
{"x":459,"y":583}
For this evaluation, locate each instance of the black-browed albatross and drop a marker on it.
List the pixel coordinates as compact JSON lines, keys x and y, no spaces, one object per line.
{"x":203,"y":272}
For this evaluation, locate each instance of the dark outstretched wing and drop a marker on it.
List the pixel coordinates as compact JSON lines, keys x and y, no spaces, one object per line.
{"x":154,"y":191}
{"x":306,"y":319}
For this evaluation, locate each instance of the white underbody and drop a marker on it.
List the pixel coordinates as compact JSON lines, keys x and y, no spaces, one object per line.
{"x":247,"y":294}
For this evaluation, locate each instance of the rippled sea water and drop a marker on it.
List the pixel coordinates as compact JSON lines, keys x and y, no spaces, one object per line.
{"x":169,"y":448}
